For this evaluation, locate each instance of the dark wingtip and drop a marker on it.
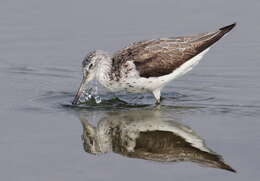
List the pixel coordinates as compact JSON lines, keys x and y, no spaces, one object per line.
{"x":227,"y":167}
{"x":228,"y":28}
{"x":230,"y":169}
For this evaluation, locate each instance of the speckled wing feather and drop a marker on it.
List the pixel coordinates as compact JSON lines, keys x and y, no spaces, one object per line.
{"x":154,"y":58}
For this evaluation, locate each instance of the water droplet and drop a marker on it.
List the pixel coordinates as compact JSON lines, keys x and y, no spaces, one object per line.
{"x":98,"y":99}
{"x":92,"y":93}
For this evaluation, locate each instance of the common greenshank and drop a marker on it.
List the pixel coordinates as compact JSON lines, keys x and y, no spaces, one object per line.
{"x":147,"y":66}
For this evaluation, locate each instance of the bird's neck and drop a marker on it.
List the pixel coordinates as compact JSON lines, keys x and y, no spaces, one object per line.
{"x":103,"y":74}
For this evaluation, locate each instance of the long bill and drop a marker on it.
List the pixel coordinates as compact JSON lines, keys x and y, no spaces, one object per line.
{"x":80,"y":90}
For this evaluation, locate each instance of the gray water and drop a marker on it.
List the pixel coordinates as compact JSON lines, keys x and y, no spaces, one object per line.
{"x":42,"y":44}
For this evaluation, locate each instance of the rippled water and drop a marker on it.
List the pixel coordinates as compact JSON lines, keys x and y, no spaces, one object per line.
{"x":41,"y":133}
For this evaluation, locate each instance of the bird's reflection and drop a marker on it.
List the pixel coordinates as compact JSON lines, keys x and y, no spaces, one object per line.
{"x":147,"y":135}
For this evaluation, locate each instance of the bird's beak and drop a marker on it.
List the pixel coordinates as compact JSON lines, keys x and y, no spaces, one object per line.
{"x":81,"y":89}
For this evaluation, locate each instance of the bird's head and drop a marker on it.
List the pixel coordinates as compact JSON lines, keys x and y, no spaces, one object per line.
{"x":90,"y":66}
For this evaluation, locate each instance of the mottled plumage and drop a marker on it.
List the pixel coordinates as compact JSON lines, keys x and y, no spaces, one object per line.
{"x":160,"y":57}
{"x":147,"y":66}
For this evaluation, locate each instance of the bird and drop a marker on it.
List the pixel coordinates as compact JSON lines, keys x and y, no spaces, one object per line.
{"x":148,"y":65}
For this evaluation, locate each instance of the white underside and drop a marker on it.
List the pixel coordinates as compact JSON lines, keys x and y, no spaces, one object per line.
{"x":154,"y":83}
{"x":136,"y":84}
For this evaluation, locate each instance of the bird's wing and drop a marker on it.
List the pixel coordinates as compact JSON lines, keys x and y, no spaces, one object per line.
{"x":160,"y":57}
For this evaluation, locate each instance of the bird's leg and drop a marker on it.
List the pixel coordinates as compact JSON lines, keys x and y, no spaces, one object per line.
{"x":157,"y":95}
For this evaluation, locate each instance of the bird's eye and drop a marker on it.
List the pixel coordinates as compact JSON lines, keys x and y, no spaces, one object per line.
{"x":90,"y":66}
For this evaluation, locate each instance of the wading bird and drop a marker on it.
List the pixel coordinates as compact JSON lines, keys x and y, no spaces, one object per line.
{"x":147,"y":66}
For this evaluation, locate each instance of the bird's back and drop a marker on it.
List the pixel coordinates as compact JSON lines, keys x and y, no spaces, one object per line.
{"x":159,"y":57}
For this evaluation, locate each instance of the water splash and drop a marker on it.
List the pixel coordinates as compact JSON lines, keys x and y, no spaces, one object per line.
{"x":91,"y":94}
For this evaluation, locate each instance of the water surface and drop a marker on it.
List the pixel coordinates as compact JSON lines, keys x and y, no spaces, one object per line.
{"x":42,"y":45}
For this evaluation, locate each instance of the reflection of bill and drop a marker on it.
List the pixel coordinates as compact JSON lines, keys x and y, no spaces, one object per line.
{"x":145,"y":135}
